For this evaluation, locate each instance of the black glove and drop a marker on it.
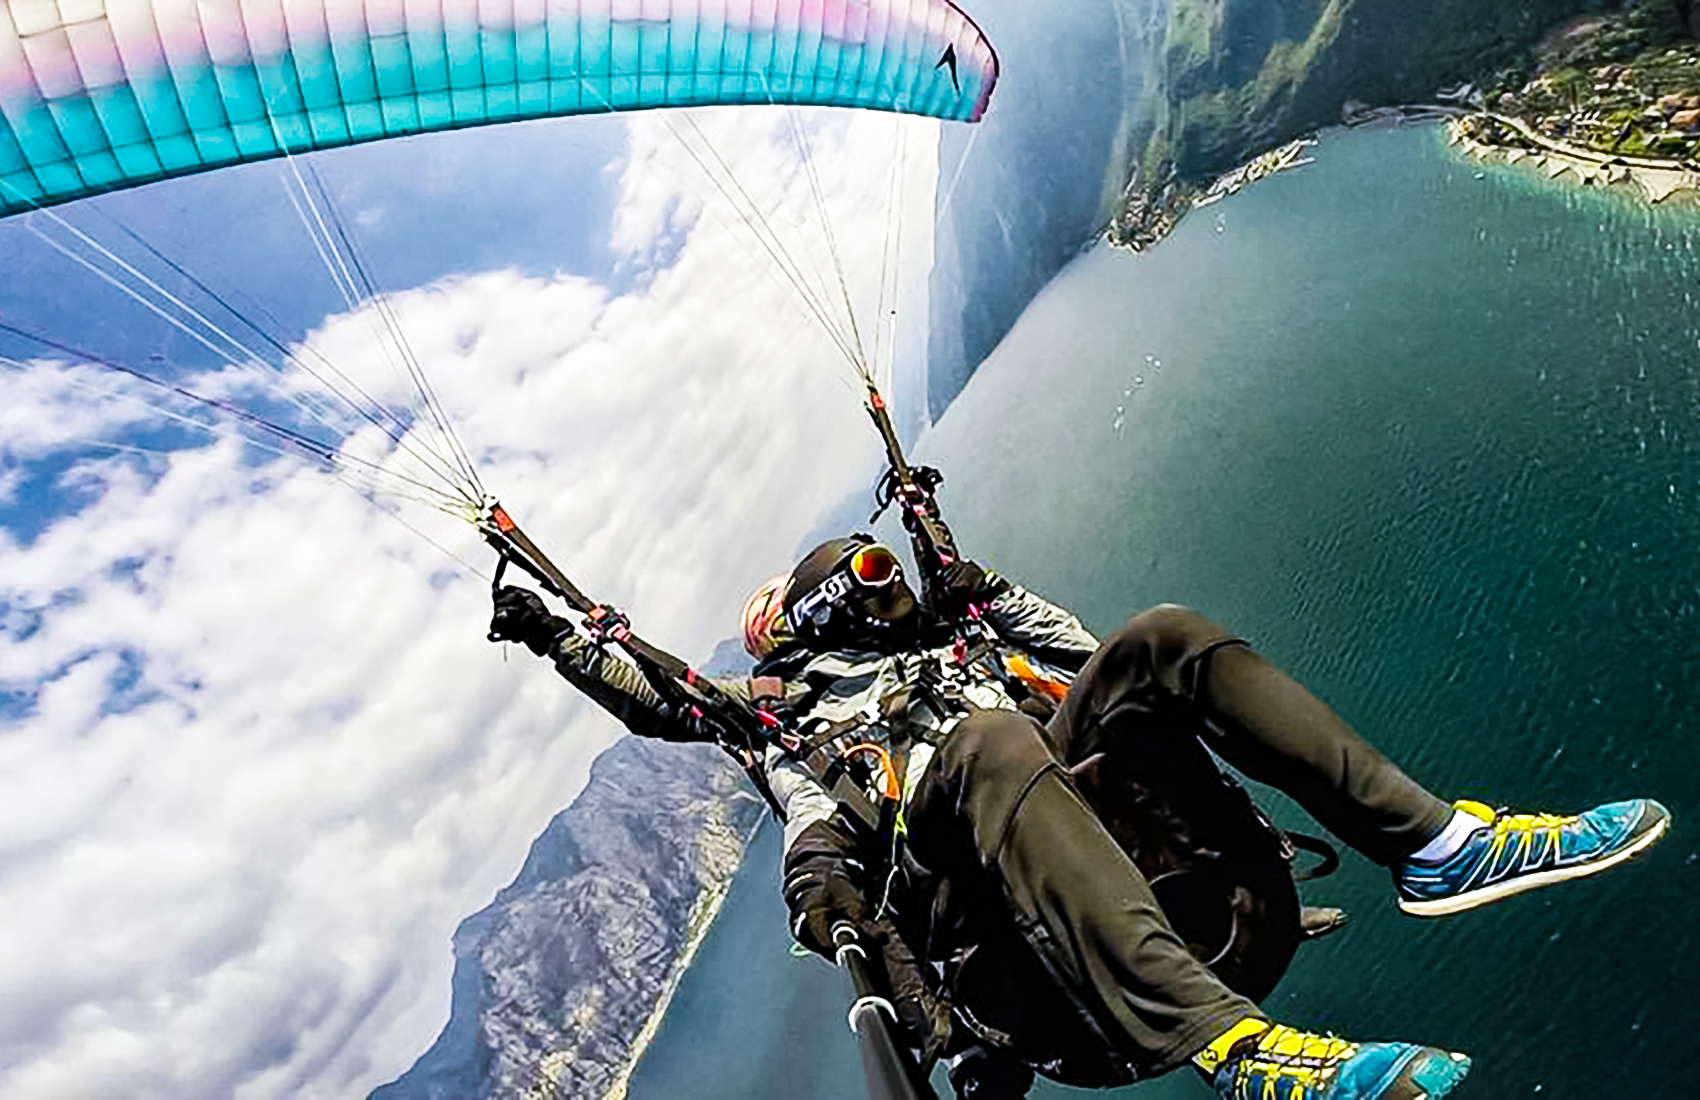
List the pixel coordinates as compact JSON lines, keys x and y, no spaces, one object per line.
{"x":699,"y":727}
{"x":822,"y":887}
{"x":521,"y":617}
{"x":834,"y":901}
{"x":962,"y":583}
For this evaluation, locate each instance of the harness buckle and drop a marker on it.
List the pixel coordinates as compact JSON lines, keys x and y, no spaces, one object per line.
{"x":604,"y":624}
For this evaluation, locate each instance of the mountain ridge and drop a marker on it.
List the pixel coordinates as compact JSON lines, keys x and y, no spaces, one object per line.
{"x":560,"y":978}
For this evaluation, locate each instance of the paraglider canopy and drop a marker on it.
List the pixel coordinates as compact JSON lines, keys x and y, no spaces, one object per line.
{"x":99,"y":95}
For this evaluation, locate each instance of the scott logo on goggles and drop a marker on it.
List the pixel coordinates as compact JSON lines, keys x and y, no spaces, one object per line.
{"x":816,"y":607}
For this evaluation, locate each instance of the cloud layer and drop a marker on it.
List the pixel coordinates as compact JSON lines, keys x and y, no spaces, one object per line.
{"x":258,"y":760}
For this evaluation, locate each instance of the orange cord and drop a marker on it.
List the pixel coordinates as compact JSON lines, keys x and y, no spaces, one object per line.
{"x":893,"y":790}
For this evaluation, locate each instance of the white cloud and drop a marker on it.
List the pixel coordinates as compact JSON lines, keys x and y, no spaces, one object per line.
{"x":239,"y":874}
{"x":46,"y":405}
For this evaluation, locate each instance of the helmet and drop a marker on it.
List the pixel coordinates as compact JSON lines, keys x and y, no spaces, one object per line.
{"x":765,"y":628}
{"x":849,"y":591}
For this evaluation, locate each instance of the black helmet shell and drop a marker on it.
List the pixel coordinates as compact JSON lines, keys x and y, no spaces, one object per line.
{"x":819,"y":564}
{"x":847,"y":625}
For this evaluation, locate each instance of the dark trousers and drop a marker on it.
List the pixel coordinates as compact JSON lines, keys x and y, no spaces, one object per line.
{"x":998,"y":803}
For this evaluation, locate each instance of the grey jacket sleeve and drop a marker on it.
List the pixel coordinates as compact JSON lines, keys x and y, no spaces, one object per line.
{"x":1041,"y":627}
{"x":804,"y":799}
{"x":620,"y":689}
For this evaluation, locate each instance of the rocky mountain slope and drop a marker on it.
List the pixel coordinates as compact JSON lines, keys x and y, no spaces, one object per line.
{"x":1239,"y":77}
{"x":558,"y":980}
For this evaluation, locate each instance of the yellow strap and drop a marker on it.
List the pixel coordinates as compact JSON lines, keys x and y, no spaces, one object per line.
{"x":1210,"y":1059}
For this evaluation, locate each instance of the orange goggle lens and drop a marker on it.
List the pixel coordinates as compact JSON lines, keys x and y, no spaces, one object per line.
{"x":874,"y":566}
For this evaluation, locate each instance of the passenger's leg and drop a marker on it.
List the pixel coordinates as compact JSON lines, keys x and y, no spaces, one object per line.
{"x":1259,"y":719}
{"x":1445,"y":859}
{"x":996,"y":802}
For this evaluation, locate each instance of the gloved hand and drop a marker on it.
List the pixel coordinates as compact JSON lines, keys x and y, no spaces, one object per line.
{"x":834,"y":900}
{"x":521,"y":617}
{"x":694,"y":727}
{"x":964,"y":583}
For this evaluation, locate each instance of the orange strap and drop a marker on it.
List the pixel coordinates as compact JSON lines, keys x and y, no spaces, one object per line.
{"x":1038,"y":683}
{"x":892,"y":789}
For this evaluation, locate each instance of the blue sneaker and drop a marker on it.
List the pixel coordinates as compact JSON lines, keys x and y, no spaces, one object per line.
{"x":1511,"y":853}
{"x":1283,"y":1064}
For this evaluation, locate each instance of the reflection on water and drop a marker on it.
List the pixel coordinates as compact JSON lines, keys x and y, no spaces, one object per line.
{"x":1429,"y":435}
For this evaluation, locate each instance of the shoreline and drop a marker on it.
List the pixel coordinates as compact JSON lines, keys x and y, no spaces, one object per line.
{"x":1142,"y":223}
{"x":1483,"y":136}
{"x":1609,"y":98}
{"x":548,"y":1071}
{"x":698,"y":925}
{"x":1657,"y":178}
{"x":1287,"y":157}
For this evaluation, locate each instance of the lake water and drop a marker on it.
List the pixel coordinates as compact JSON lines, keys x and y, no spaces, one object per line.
{"x":1428,"y":433}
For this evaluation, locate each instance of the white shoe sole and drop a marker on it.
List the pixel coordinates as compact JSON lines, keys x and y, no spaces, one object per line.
{"x":1460,"y":902}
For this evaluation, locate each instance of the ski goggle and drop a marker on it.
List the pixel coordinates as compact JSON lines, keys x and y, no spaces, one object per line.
{"x":874,"y":566}
{"x":871,"y":567}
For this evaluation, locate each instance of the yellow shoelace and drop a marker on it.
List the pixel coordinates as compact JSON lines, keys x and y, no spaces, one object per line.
{"x":1506,"y":826}
{"x":1307,"y":1062}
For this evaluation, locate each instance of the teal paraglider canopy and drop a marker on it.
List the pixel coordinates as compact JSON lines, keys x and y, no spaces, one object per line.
{"x":99,"y":95}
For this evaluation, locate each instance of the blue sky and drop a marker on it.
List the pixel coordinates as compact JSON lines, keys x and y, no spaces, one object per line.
{"x":534,"y":197}
{"x":256,"y":759}
{"x":427,"y":206}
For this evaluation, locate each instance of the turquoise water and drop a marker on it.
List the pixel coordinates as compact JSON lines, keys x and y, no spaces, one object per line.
{"x":1429,"y":435}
